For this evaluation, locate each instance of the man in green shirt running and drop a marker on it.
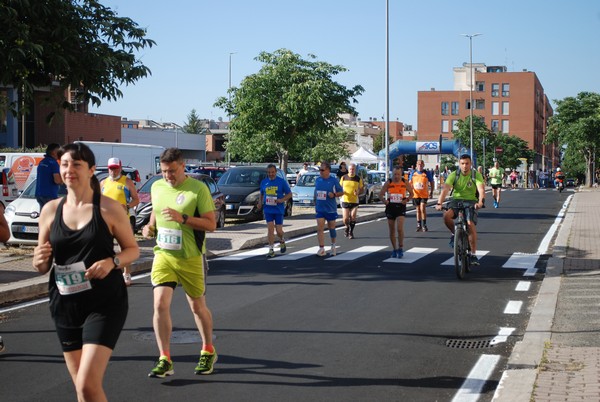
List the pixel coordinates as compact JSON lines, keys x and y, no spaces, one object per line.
{"x":467,"y":183}
{"x":496,"y":176}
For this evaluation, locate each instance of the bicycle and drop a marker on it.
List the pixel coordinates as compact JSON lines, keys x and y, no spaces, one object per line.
{"x":462,"y":247}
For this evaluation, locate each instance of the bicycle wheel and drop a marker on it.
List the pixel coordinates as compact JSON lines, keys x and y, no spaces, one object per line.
{"x":466,"y":252}
{"x":459,"y":253}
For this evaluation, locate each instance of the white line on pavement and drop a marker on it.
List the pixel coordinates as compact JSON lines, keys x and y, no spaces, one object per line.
{"x":470,"y":391}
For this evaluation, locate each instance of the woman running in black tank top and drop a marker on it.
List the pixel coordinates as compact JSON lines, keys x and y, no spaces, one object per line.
{"x":88,"y":298}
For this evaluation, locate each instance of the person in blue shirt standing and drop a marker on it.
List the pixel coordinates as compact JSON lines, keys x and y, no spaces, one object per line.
{"x":48,"y":176}
{"x":274,"y":193}
{"x":327,"y":187}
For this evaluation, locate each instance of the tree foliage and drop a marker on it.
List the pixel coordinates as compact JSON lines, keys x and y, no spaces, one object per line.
{"x":290,"y":104}
{"x":194,"y":124}
{"x":576,"y":126}
{"x":77,"y":44}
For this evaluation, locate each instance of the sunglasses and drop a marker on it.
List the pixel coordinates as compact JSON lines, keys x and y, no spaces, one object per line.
{"x":322,"y":170}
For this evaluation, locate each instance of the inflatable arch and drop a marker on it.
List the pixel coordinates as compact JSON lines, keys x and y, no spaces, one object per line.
{"x":400,"y":147}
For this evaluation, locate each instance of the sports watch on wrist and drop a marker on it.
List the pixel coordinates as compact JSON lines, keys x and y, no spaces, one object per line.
{"x":185,"y":218}
{"x":116,"y":261}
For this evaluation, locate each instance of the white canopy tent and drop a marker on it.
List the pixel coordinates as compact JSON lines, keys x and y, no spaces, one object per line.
{"x":363,"y":155}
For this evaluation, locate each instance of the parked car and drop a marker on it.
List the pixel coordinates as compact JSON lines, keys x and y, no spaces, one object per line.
{"x":22,"y":216}
{"x":291,"y":176}
{"x":213,"y":171}
{"x":241,"y":186}
{"x":144,"y":209}
{"x":373,"y":186}
{"x":303,"y":192}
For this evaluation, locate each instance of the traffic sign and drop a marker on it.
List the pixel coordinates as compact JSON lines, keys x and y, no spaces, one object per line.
{"x":498,"y":149}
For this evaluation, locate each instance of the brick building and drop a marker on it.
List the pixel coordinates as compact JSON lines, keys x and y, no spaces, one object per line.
{"x":511,"y":103}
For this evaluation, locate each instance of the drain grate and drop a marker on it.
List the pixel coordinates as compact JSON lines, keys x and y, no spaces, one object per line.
{"x":469,"y":344}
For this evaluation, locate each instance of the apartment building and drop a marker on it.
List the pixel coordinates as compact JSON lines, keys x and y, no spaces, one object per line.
{"x":512,"y":103}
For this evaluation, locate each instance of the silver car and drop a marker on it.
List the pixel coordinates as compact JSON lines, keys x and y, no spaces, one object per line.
{"x":303,"y":193}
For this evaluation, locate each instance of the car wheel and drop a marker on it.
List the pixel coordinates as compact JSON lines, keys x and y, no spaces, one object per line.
{"x":288,"y":209}
{"x":221,"y":218}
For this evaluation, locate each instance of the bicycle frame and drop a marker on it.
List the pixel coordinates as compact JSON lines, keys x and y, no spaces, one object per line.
{"x":462,"y":247}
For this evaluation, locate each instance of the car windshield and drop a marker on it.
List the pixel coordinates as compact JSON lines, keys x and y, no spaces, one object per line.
{"x":307,"y":180}
{"x":29,"y":192}
{"x":243,"y":177}
{"x":147,"y":185}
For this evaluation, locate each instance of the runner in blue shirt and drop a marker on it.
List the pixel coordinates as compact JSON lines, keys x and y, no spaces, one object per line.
{"x":48,"y":176}
{"x":327,"y":187}
{"x":274,"y":193}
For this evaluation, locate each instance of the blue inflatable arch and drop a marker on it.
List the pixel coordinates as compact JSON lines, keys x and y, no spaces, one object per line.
{"x":400,"y":147}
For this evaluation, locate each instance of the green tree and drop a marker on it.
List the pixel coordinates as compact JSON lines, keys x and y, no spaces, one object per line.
{"x":576,"y":126}
{"x":194,"y":124}
{"x":68,"y":44}
{"x":480,"y":132}
{"x":290,"y":102}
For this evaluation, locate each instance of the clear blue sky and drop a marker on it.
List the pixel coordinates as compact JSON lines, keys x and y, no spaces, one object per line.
{"x":558,"y":40}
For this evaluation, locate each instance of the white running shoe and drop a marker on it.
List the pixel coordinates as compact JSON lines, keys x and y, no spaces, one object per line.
{"x":333,"y":251}
{"x":321,"y":252}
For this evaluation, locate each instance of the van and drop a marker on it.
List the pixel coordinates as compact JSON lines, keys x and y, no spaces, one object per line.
{"x":16,"y":167}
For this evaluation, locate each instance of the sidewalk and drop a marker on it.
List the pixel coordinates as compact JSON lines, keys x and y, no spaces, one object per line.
{"x":559,"y":356}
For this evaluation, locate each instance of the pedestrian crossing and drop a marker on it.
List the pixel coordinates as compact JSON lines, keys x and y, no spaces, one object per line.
{"x":517,"y":260}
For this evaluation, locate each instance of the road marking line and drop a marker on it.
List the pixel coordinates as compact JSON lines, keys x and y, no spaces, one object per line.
{"x":412,"y":255}
{"x":523,"y":286}
{"x":246,"y":254}
{"x":521,"y":261}
{"x":530,"y":272}
{"x":545,"y":244}
{"x":502,"y":336}
{"x":513,"y":307}
{"x":357,"y":253}
{"x":296,"y":255}
{"x":479,"y":254}
{"x":470,"y":391}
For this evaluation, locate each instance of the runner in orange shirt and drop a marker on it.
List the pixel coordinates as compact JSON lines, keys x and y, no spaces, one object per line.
{"x":421,"y":180}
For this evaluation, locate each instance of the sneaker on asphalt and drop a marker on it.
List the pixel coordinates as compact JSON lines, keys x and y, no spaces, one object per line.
{"x":495,"y":204}
{"x":163,"y":368}
{"x":393,"y":254}
{"x":399,"y":253}
{"x":474,"y":260}
{"x":425,"y":228}
{"x":321,"y":252}
{"x":451,"y":241}
{"x":127,"y":279}
{"x":206,"y":362}
{"x":346,"y":231}
{"x":282,"y":247}
{"x":351,"y":235}
{"x":333,"y":251}
{"x":419,"y":229}
{"x":271,"y":253}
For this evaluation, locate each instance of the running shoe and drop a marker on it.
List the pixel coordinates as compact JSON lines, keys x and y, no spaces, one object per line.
{"x":332,"y":251}
{"x":127,"y":279}
{"x":271,"y":253}
{"x":351,"y":235}
{"x":425,"y":228}
{"x":394,"y":255}
{"x":282,"y":247}
{"x":346,"y":231}
{"x":206,"y":362}
{"x":451,"y":244}
{"x":163,"y":368}
{"x":474,"y":260}
{"x":495,"y":204}
{"x":399,"y":253}
{"x":419,"y":228}
{"x":321,"y":252}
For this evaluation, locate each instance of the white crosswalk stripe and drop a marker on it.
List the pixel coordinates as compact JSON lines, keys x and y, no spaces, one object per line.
{"x":298,"y":254}
{"x":356,"y":253}
{"x":521,"y":261}
{"x":479,"y":254}
{"x":412,"y":255}
{"x":245,"y":254}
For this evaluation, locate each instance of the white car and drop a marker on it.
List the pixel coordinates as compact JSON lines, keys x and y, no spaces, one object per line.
{"x":22,"y":216}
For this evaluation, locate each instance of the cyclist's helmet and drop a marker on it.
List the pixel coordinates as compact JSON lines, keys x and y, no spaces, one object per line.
{"x":558,"y":169}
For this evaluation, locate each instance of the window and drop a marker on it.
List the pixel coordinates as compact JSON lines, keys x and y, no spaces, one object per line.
{"x":506,"y":90}
{"x":495,"y":108}
{"x":454,"y":125}
{"x":445,"y":108}
{"x":505,"y":111}
{"x":467,"y":104}
{"x":480,"y":86}
{"x":495,"y":90}
{"x":445,"y":127}
{"x":495,"y":126}
{"x":480,"y":104}
{"x":505,"y":127}
{"x":455,"y":108}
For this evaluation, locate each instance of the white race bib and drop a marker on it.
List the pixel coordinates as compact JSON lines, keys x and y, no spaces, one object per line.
{"x":321,"y":195}
{"x":396,"y":198}
{"x":70,"y":279}
{"x":169,"y":239}
{"x":271,"y":200}
{"x":419,"y":186}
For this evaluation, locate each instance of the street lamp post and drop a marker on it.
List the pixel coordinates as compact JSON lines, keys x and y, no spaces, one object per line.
{"x":471,"y":36}
{"x":387,"y":89}
{"x":229,"y":100}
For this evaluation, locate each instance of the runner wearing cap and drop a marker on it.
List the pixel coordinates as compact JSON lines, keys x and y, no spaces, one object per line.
{"x":122,"y":189}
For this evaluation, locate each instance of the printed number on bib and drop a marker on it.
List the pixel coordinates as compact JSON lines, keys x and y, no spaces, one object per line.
{"x":271,"y":200}
{"x":321,"y":195}
{"x":169,"y":239}
{"x":70,"y":279}
{"x":396,"y":198}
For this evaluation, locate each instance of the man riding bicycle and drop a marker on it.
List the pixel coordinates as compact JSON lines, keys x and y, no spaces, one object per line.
{"x":469,"y":189}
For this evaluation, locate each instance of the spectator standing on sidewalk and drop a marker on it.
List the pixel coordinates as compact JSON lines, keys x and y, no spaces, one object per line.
{"x":274,"y":194}
{"x":120,"y":188}
{"x":422,"y":184}
{"x":182,"y":212}
{"x":342,"y":171}
{"x":48,"y":176}
{"x":88,"y":298}
{"x":327,"y":187}
{"x":393,"y":194}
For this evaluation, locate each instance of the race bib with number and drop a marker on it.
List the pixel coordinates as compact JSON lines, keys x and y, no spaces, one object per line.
{"x":271,"y":200}
{"x":169,"y":239}
{"x":396,"y":198}
{"x":321,"y":195}
{"x":70,"y":279}
{"x":419,"y":186}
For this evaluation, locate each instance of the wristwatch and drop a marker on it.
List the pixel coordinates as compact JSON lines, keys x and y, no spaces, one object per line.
{"x":116,"y":261}
{"x":185,"y":218}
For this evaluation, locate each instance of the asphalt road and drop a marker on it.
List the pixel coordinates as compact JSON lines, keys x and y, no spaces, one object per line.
{"x":298,"y":327}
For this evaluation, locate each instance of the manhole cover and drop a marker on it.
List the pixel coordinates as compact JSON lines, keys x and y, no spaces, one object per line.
{"x":469,"y":344}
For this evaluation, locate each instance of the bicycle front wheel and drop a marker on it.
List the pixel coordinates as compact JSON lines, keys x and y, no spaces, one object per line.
{"x":460,"y":252}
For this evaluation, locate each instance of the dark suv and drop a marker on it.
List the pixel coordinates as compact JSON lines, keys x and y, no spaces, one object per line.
{"x":213,"y":171}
